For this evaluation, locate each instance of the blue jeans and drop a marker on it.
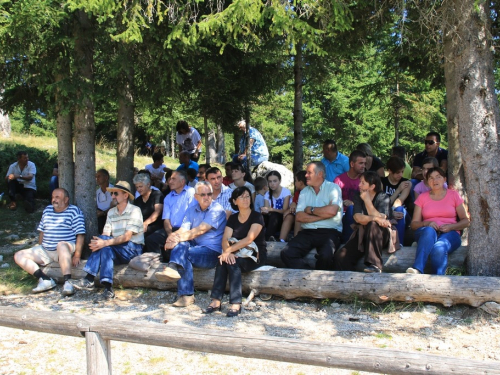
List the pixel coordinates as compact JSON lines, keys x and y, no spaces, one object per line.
{"x":256,"y":160}
{"x":188,"y":255}
{"x":437,"y":247}
{"x":402,"y":223}
{"x":103,"y":260}
{"x":347,"y":220}
{"x":53,"y":184}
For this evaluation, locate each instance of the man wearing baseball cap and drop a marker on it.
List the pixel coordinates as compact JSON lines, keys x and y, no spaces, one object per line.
{"x":121,"y":240}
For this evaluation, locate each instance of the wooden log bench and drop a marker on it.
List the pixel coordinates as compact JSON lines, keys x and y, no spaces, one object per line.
{"x":290,"y":283}
{"x":397,"y":262}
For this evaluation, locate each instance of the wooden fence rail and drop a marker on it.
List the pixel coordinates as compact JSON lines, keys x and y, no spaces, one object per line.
{"x":98,"y":334}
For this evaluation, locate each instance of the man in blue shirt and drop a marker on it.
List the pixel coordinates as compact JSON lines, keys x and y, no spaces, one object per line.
{"x":186,"y":162}
{"x":258,"y":147}
{"x":175,"y":205}
{"x":335,"y":162}
{"x":198,"y":243}
{"x":62,"y":232}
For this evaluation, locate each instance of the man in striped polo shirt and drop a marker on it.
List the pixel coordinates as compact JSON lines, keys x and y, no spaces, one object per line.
{"x":62,"y":232}
{"x":121,"y":240}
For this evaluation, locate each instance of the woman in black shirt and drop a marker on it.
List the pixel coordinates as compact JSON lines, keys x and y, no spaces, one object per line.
{"x":246,"y":226}
{"x":372,"y":213}
{"x":150,"y":202}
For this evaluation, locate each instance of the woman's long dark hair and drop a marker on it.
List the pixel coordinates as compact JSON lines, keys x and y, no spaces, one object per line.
{"x":270,"y":192}
{"x":373,"y":179}
{"x":241,"y":168}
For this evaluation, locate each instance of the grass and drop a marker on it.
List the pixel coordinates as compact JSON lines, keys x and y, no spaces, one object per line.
{"x":382,"y":335}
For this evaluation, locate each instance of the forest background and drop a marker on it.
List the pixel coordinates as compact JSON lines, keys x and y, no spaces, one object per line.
{"x":381,"y":72}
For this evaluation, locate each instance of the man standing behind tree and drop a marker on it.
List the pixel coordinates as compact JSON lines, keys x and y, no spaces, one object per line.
{"x":320,"y":213}
{"x":121,"y":240}
{"x":20,"y":179}
{"x":62,"y":232}
{"x":432,"y":149}
{"x":103,"y":197}
{"x":335,"y":162}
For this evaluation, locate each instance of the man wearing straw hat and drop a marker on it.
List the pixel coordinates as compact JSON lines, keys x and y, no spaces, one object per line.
{"x":121,"y":240}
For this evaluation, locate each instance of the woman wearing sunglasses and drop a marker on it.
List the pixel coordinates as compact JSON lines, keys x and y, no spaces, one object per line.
{"x":244,"y":229}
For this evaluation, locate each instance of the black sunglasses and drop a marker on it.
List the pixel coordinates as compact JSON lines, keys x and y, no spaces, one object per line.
{"x":203,"y":195}
{"x":115,"y":193}
{"x":429,"y":142}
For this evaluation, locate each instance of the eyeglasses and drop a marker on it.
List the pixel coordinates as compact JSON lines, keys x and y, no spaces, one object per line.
{"x":115,"y":193}
{"x":244,"y":197}
{"x":429,"y":142}
{"x":203,"y":195}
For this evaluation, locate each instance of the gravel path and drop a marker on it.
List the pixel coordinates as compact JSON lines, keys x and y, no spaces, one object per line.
{"x":459,"y":331}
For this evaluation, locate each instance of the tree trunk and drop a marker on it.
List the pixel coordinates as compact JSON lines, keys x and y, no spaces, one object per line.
{"x":66,"y":165}
{"x":172,"y":142}
{"x":298,"y":115}
{"x":85,"y":186}
{"x":5,"y":127}
{"x":248,"y":151}
{"x":125,"y":131}
{"x":207,"y":140}
{"x":221,"y":145}
{"x":470,"y":81}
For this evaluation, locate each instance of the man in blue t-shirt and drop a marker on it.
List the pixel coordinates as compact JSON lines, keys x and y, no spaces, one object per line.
{"x":197,"y":243}
{"x":335,"y":162}
{"x":258,"y":148}
{"x":62,"y":233}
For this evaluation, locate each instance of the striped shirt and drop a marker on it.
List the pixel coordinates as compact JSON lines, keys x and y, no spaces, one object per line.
{"x":60,"y":226}
{"x":224,"y":198}
{"x":129,"y":220}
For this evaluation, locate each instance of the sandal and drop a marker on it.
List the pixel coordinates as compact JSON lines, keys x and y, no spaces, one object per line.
{"x":12,"y":206}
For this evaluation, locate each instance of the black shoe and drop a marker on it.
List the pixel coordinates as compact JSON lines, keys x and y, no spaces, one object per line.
{"x":82,"y":284}
{"x":372,"y":269}
{"x":106,"y":295}
{"x":29,"y":207}
{"x":233,"y":312}
{"x":211,"y":309}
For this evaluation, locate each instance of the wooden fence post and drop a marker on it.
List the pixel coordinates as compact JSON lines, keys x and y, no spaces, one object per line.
{"x":98,"y":354}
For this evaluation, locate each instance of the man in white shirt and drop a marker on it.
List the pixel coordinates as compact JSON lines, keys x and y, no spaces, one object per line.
{"x":319,"y":211}
{"x":20,"y":180}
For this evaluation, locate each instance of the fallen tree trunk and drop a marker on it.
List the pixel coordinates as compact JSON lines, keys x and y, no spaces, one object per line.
{"x":393,"y":263}
{"x":242,"y":345}
{"x":289,"y":283}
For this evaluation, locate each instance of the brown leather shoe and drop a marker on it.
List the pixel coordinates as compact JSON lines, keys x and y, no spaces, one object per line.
{"x":168,"y":274}
{"x":184,"y":301}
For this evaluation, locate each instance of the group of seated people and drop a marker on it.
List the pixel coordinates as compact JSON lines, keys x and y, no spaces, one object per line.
{"x":344,"y":207}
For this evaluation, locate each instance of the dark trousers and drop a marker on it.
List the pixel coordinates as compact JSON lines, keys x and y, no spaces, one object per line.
{"x":155,"y":243}
{"x":101,"y":222}
{"x":375,"y":239}
{"x":273,"y":221}
{"x":16,"y":188}
{"x":233,"y":271}
{"x":326,"y":241}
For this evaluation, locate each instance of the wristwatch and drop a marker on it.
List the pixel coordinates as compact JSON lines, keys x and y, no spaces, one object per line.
{"x":312,"y":210}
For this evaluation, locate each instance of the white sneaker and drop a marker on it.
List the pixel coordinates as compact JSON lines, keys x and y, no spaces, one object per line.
{"x":413,"y":270}
{"x":44,"y":285}
{"x":68,"y":289}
